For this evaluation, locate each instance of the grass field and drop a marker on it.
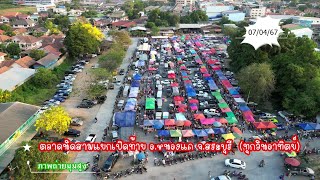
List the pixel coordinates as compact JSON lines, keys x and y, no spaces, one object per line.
{"x":14,"y":8}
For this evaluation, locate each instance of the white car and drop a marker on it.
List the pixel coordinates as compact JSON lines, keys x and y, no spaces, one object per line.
{"x":165,"y":82}
{"x":235,"y":163}
{"x":222,"y":177}
{"x":212,"y":112}
{"x":267,"y":116}
{"x":136,"y":71}
{"x":91,"y":138}
{"x":285,"y":115}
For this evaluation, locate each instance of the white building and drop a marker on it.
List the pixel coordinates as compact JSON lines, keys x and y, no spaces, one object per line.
{"x":44,"y":7}
{"x":258,"y":12}
{"x":214,"y":10}
{"x":35,"y":2}
{"x":62,"y":10}
{"x":185,"y":2}
{"x":306,"y":21}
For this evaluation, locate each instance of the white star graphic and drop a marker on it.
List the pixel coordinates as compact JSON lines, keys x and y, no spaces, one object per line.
{"x":26,"y":147}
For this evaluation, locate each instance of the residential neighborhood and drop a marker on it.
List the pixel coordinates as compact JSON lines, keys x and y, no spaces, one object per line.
{"x":93,"y":72}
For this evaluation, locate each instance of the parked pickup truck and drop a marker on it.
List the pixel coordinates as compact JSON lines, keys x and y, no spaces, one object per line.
{"x":267,"y":116}
{"x":91,"y":138}
{"x":305,"y":171}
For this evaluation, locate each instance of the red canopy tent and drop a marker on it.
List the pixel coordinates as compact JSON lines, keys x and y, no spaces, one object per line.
{"x":179,"y":123}
{"x":182,"y":109}
{"x":216,"y":68}
{"x":226,"y":110}
{"x":199,"y":116}
{"x":178,"y":98}
{"x":226,"y":83}
{"x":269,"y":124}
{"x":169,"y":122}
{"x":183,"y":68}
{"x":191,"y":101}
{"x":203,"y":70}
{"x":187,"y":123}
{"x":171,"y":76}
{"x":210,"y":61}
{"x":236,"y":130}
{"x":259,"y":125}
{"x":206,"y":75}
{"x":177,"y":103}
{"x":187,"y":82}
{"x":223,"y":121}
{"x":174,"y":84}
{"x":187,"y":133}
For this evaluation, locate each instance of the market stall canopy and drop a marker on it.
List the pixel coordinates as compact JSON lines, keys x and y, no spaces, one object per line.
{"x":164,"y":133}
{"x":187,"y":123}
{"x":200,"y":132}
{"x":140,"y":63}
{"x":158,"y":124}
{"x":193,"y":101}
{"x":187,"y":133}
{"x":209,"y":131}
{"x":175,"y":133}
{"x":306,"y":126}
{"x":131,"y":104}
{"x":125,"y":119}
{"x":152,"y":69}
{"x":169,"y":122}
{"x":225,"y":110}
{"x":178,"y":98}
{"x":135,"y":83}
{"x":180,"y":116}
{"x":244,"y":108}
{"x":228,"y":136}
{"x":232,"y":120}
{"x":217,"y":124}
{"x":174,"y":84}
{"x":236,"y":130}
{"x":219,"y":131}
{"x":148,"y":123}
{"x":239,"y":100}
{"x":207,"y":121}
{"x":150,"y":103}
{"x":223,"y":105}
{"x":137,"y":77}
{"x":233,"y":91}
{"x":144,"y":47}
{"x":259,"y":125}
{"x":143,"y":57}
{"x":179,"y":123}
{"x":199,"y":116}
{"x":269,"y":124}
{"x":292,"y":161}
{"x":223,"y":120}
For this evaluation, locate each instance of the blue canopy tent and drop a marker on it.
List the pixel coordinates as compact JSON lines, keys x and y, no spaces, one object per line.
{"x":183,"y":73}
{"x":200,"y":132}
{"x":212,"y":85}
{"x":219,"y":72}
{"x":219,"y":131}
{"x":147,"y":123}
{"x":190,"y":91}
{"x":137,"y":77}
{"x":165,"y":133}
{"x":208,"y":78}
{"x":306,"y":126}
{"x":131,"y":104}
{"x":141,"y":156}
{"x":135,"y":83}
{"x":222,"y":77}
{"x":317,"y":126}
{"x":140,"y":63}
{"x":158,"y":124}
{"x":209,"y":131}
{"x":244,"y":108}
{"x":233,"y":91}
{"x":125,"y":119}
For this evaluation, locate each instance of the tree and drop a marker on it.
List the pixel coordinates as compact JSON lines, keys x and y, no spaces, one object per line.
{"x":257,"y":81}
{"x":4,"y":96}
{"x":100,"y":73}
{"x":53,"y":29}
{"x":5,"y":27}
{"x":302,"y":8}
{"x":225,"y":20}
{"x":13,"y":49}
{"x":154,"y":31}
{"x":83,"y":38}
{"x":62,"y":21}
{"x":55,"y":119}
{"x":44,"y":78}
{"x":34,"y":156}
{"x":96,"y":90}
{"x":229,"y":31}
{"x":121,"y":37}
{"x":37,"y":54}
{"x":90,"y":14}
{"x":150,"y":25}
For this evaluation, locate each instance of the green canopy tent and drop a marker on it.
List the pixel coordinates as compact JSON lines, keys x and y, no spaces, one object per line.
{"x":150,"y":103}
{"x":223,"y":105}
{"x":231,"y":120}
{"x":175,"y":133}
{"x":230,"y":114}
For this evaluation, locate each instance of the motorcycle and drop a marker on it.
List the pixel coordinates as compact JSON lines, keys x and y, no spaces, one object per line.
{"x":261,"y":164}
{"x":226,"y":172}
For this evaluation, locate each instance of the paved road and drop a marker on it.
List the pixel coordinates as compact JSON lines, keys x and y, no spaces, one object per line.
{"x":104,"y":115}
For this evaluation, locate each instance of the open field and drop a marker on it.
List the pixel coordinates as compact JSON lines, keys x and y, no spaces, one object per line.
{"x":4,"y":8}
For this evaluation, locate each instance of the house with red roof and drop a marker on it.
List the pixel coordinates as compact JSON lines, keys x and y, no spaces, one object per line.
{"x":27,"y":42}
{"x":123,"y":24}
{"x":51,"y":49}
{"x":25,"y":62}
{"x":4,"y":38}
{"x":2,"y":55}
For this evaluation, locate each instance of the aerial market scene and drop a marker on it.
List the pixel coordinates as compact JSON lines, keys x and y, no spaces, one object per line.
{"x":177,"y":90}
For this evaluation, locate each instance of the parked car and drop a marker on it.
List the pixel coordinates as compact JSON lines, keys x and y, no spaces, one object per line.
{"x":110,"y":162}
{"x":111,"y":86}
{"x":76,"y":122}
{"x":212,"y":112}
{"x":222,"y":177}
{"x":72,"y":132}
{"x":235,"y":163}
{"x":285,"y":115}
{"x":267,"y":116}
{"x":91,"y":138}
{"x":85,"y":104}
{"x":305,"y":171}
{"x":121,"y":72}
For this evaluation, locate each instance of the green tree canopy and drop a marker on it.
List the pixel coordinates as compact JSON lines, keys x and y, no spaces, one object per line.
{"x":62,"y":21}
{"x":34,"y":156}
{"x":37,"y":54}
{"x":82,"y":38}
{"x":13,"y":49}
{"x":90,"y":14}
{"x":44,"y":78}
{"x":257,"y":81}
